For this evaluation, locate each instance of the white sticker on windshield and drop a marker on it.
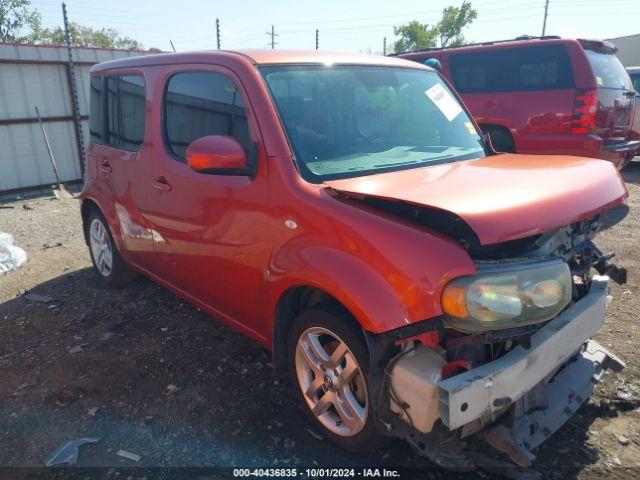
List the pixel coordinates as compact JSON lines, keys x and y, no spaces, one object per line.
{"x":442,"y":99}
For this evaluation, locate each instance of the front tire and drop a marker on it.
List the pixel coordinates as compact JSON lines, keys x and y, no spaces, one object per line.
{"x":328,"y":370}
{"x":106,"y":259}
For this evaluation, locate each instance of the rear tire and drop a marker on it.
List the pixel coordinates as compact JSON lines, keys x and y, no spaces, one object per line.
{"x":107,"y":261}
{"x":328,"y":370}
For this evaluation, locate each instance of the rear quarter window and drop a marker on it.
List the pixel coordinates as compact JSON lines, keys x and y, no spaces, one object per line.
{"x":512,"y":69}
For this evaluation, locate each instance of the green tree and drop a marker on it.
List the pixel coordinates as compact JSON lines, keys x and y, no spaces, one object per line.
{"x":454,"y":20}
{"x":447,"y":32}
{"x":415,"y":36}
{"x":15,"y":17}
{"x":82,"y":36}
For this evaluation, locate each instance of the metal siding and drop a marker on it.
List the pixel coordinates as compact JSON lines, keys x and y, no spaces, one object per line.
{"x":24,"y":161}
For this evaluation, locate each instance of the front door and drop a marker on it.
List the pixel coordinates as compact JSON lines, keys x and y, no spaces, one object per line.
{"x":210,"y":231}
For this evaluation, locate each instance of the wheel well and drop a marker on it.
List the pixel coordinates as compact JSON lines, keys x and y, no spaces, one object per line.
{"x":501,"y":137}
{"x":291,"y":304}
{"x":87,"y":207}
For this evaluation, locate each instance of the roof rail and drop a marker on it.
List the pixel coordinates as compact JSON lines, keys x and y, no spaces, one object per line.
{"x":520,"y":38}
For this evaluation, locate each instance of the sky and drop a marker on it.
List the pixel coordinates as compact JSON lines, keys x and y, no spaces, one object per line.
{"x":347,"y":25}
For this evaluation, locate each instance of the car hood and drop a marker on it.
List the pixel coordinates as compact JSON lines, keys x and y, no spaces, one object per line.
{"x":501,"y":197}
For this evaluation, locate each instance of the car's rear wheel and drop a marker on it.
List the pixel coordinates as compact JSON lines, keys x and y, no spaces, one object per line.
{"x":104,"y":253}
{"x":328,"y":365}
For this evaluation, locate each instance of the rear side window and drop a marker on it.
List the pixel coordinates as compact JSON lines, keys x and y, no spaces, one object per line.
{"x":120,"y":102}
{"x":198,"y":104}
{"x":96,"y":124}
{"x":512,"y":70}
{"x":608,"y":70}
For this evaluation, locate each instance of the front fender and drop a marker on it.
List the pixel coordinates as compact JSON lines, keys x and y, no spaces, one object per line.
{"x":360,"y":288}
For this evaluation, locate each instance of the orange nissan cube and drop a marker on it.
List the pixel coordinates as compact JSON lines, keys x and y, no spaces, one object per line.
{"x":345,"y":212}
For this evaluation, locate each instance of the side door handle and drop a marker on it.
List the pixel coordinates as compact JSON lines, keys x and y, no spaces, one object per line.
{"x":105,"y":167}
{"x":161,"y":184}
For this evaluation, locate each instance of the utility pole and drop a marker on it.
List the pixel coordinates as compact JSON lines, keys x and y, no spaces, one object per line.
{"x":384,"y":46}
{"x":273,"y":34}
{"x":218,"y":32}
{"x":546,"y":12}
{"x":317,"y":38}
{"x":75,"y":104}
{"x":172,"y":47}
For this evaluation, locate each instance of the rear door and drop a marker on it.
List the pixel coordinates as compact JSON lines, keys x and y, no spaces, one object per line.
{"x":117,"y":135}
{"x":615,"y":94}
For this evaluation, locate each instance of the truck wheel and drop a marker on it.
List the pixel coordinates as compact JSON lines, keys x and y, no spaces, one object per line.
{"x":328,"y":366}
{"x":104,"y":253}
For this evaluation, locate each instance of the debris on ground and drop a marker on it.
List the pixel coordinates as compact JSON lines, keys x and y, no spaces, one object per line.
{"x":68,"y":452}
{"x":92,"y":411}
{"x":48,"y":245}
{"x":27,"y":207}
{"x":171,"y":389}
{"x":129,"y":455}
{"x":76,"y":349}
{"x":36,"y":297}
{"x":316,"y":435}
{"x":65,"y":397}
{"x":623,"y":440}
{"x":12,"y":257}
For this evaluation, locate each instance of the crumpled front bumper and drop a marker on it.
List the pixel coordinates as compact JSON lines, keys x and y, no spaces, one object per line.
{"x":549,"y":367}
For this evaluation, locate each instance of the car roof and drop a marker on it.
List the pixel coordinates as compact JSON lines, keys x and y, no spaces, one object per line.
{"x":597,"y":45}
{"x":259,"y":57}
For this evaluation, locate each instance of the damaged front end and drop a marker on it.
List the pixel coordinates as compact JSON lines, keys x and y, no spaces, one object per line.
{"x":513,"y":382}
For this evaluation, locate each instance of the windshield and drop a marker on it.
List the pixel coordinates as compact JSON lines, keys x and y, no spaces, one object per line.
{"x":348,"y":121}
{"x":609,"y":71}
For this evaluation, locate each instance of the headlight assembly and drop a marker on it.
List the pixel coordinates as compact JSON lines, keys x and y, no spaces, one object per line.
{"x":507,"y":297}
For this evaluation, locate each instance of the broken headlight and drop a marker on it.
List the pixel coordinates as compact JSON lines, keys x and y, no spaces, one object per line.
{"x":507,"y":297}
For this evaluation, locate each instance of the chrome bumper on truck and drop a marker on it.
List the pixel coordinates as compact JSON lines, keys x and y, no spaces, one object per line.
{"x":523,"y":377}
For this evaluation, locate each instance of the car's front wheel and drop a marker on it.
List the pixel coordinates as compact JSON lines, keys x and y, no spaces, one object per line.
{"x":328,"y":365}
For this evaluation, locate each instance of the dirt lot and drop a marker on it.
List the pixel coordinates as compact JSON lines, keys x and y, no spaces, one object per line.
{"x":149,"y":373}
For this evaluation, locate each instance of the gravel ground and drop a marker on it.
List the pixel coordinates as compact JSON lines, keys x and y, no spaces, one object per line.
{"x":149,"y":373}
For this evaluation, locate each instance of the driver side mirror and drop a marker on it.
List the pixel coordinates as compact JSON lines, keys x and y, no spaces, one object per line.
{"x":218,"y":154}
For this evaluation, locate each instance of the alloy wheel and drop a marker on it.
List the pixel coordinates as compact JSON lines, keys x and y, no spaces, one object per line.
{"x":332,"y":382}
{"x":101,"y":250}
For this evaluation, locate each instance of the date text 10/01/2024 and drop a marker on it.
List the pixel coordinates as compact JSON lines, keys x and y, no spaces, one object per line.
{"x":317,"y":472}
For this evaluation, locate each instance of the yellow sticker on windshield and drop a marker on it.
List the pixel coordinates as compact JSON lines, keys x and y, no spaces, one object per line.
{"x":470,"y":127}
{"x":599,"y":80}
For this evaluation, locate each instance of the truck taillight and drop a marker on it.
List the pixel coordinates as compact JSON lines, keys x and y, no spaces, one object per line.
{"x":584,"y":111}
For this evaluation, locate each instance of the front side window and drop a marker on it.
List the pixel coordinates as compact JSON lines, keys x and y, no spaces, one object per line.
{"x":348,"y":121}
{"x":125,"y":112}
{"x":198,"y":104}
{"x":512,"y":69}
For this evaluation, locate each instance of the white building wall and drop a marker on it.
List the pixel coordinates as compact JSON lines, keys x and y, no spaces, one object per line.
{"x":628,"y":49}
{"x":33,"y":76}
